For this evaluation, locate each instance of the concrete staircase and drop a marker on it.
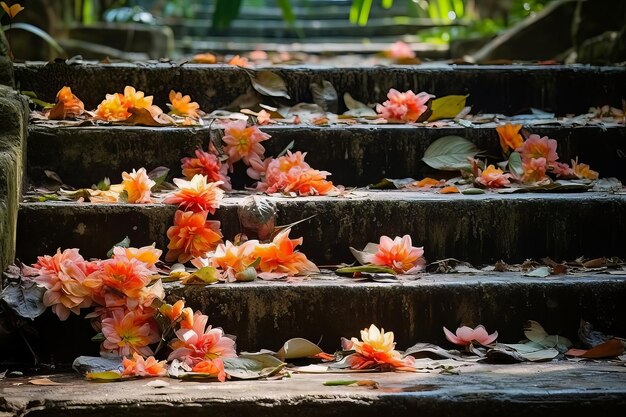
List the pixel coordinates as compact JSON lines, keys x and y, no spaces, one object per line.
{"x":478,"y":229}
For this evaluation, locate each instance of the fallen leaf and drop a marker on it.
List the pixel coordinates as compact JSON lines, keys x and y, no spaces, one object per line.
{"x":269,"y":83}
{"x":541,"y":272}
{"x":106,"y":376}
{"x":297,"y":348}
{"x":449,"y":153}
{"x":43,"y":381}
{"x":446,"y":107}
{"x":609,"y":349}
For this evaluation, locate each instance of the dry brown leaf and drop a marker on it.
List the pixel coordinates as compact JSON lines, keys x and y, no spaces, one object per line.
{"x":143,"y":117}
{"x":609,"y":349}
{"x":595,"y":263}
{"x":43,"y":381}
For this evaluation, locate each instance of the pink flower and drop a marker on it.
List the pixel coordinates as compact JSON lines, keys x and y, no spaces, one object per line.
{"x":200,"y":343}
{"x":206,"y":164}
{"x":400,"y":50}
{"x":539,"y":147}
{"x":290,"y":173}
{"x":263,"y":118}
{"x":63,"y":276}
{"x":406,"y":107}
{"x":196,"y":195}
{"x":398,"y":254}
{"x":243,"y":142}
{"x":465,"y":335}
{"x":493,"y":177}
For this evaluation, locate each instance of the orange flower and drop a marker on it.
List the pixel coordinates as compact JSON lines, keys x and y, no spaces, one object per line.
{"x":207,"y":164}
{"x":234,"y":259}
{"x":138,"y":366}
{"x":290,"y":173}
{"x":127,"y":276}
{"x":465,"y":335}
{"x":149,"y":255}
{"x":137,"y":99}
{"x":137,"y":185}
{"x":281,"y":256}
{"x":196,"y":195}
{"x":205,"y":58}
{"x":112,"y":108}
{"x":243,"y":142}
{"x":510,"y":137}
{"x":309,"y":182}
{"x":493,"y":177}
{"x":428,"y":183}
{"x":377,"y":350}
{"x":210,"y":367}
{"x":68,"y":105}
{"x":398,"y":254}
{"x":191,"y":236}
{"x":63,"y":276}
{"x":183,"y":106}
{"x":128,"y":332}
{"x":13,"y":10}
{"x":172,"y":312}
{"x":450,"y":189}
{"x":539,"y":147}
{"x":406,"y":107}
{"x":534,"y":170}
{"x":200,"y":343}
{"x":584,"y":171}
{"x":239,"y":61}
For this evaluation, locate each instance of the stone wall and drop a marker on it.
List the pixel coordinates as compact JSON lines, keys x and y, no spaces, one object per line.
{"x":13,"y":130}
{"x":6,"y":66}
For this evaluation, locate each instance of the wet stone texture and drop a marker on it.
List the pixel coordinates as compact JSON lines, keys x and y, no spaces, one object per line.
{"x":479,"y":390}
{"x":478,"y":229}
{"x":354,"y":155}
{"x":501,"y":89}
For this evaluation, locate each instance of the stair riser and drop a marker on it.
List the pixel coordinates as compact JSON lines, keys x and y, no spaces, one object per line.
{"x":502,"y":89}
{"x":469,"y":228}
{"x":355,"y":156}
{"x":263,"y":316}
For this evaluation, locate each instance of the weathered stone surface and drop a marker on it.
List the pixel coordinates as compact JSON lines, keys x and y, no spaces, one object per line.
{"x":474,"y":228}
{"x":6,"y":66}
{"x":479,"y":390}
{"x":529,"y":39}
{"x":356,"y":155}
{"x":324,"y":308}
{"x":492,"y":89}
{"x":13,"y":130}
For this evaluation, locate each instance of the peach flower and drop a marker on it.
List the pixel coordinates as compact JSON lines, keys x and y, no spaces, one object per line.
{"x":63,"y":276}
{"x":239,"y":61}
{"x":233,"y":259}
{"x":510,"y":137}
{"x":290,"y":173}
{"x":172,"y":312}
{"x":138,"y":366}
{"x":192,"y":236}
{"x":200,"y":343}
{"x":126,"y":332}
{"x":207,"y":164}
{"x":183,"y":106}
{"x":126,"y":276}
{"x":243,"y":142}
{"x":205,"y":58}
{"x":465,"y":335}
{"x":149,"y":255}
{"x":281,"y":256}
{"x":534,"y":170}
{"x":263,"y":118}
{"x":538,"y":147}
{"x":400,"y":50}
{"x":584,"y":171}
{"x":196,"y":195}
{"x":210,"y":367}
{"x":12,"y":10}
{"x":137,"y":185}
{"x":377,"y":350}
{"x":493,"y":177}
{"x":405,"y":107}
{"x":398,"y":254}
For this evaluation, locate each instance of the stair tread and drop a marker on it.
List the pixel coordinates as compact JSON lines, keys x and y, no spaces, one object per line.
{"x":526,"y":389}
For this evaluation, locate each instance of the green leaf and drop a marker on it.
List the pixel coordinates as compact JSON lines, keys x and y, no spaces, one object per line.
{"x":207,"y":275}
{"x":446,"y":107}
{"x":287,"y":10}
{"x":253,"y":366}
{"x":515,"y":164}
{"x":37,"y":32}
{"x":247,"y":275}
{"x":450,"y":153}
{"x":158,"y":175}
{"x":225,"y":12}
{"x":340,"y":382}
{"x":124,"y":243}
{"x":269,"y":84}
{"x":106,"y":376}
{"x":365,"y":268}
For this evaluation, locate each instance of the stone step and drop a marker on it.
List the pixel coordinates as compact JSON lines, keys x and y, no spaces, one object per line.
{"x":486,"y":390}
{"x":507,"y":89}
{"x":356,"y":155}
{"x":478,"y":229}
{"x":324,"y":308}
